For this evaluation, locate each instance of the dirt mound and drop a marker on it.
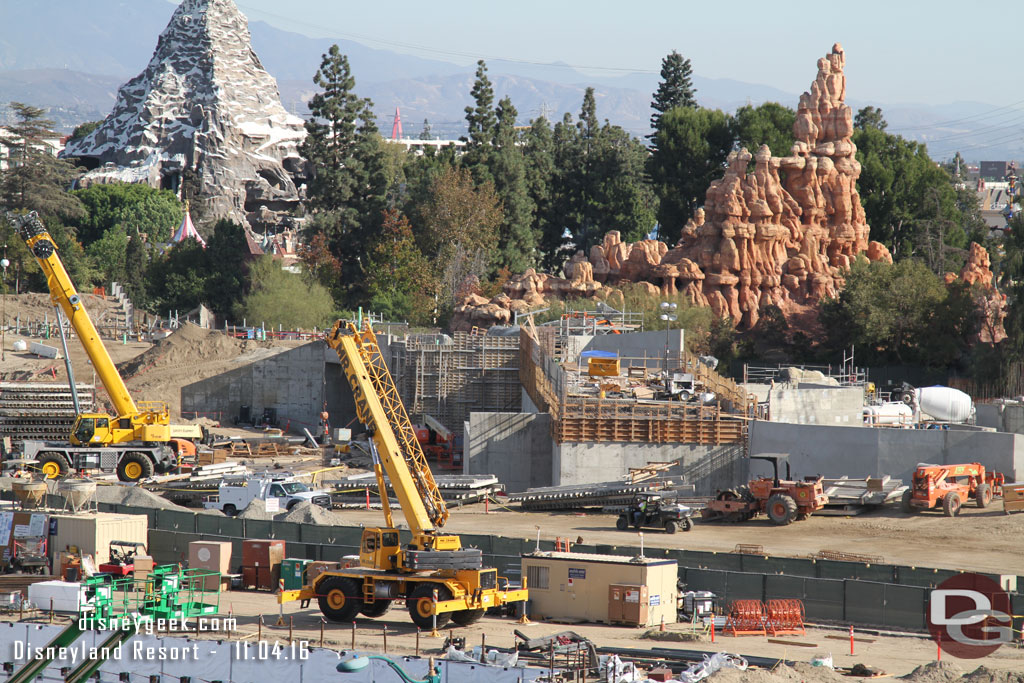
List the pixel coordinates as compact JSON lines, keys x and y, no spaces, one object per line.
{"x":799,"y":672}
{"x":935,"y":672}
{"x":985,"y":675}
{"x":256,"y":509}
{"x":188,"y":345}
{"x":307,"y":513}
{"x":119,"y":494}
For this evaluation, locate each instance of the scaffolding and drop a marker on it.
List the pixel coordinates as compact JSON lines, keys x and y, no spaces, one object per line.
{"x":450,"y":377}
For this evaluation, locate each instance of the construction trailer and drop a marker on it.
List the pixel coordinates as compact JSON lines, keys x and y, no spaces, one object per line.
{"x":92,"y":533}
{"x":607,"y":589}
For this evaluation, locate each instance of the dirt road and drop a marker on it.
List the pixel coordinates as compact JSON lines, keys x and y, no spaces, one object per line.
{"x":978,"y":540}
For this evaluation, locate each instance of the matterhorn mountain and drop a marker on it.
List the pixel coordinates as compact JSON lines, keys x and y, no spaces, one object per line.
{"x":204,"y":104}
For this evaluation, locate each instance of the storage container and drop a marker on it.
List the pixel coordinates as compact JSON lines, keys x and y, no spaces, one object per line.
{"x":211,"y":556}
{"x":92,"y":532}
{"x":262,"y":553}
{"x":61,"y":595}
{"x":293,"y":571}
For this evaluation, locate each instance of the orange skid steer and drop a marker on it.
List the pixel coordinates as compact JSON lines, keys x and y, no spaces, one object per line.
{"x":949,"y":486}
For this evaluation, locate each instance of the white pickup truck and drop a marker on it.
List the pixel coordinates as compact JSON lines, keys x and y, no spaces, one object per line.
{"x":235,"y":494}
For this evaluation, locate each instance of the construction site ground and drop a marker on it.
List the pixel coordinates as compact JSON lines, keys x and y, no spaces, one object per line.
{"x":896,"y":655}
{"x":977,"y":540}
{"x":152,"y":371}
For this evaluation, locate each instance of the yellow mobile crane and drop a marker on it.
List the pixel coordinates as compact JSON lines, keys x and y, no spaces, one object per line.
{"x":433,"y":573}
{"x":135,"y":442}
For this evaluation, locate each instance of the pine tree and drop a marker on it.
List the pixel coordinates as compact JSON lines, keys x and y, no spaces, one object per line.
{"x":507,"y":167}
{"x":136,"y":261}
{"x":676,"y":87}
{"x":35,"y":179}
{"x":348,"y":190}
{"x":541,"y":178}
{"x":482,"y":123}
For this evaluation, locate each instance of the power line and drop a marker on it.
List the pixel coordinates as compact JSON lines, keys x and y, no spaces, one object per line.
{"x":943,"y":124}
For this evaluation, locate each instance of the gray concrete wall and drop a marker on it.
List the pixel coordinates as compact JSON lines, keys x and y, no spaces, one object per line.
{"x":515,"y":447}
{"x":1004,"y":417}
{"x":862,"y":452}
{"x":588,"y":463}
{"x":650,"y":345}
{"x":295,"y":382}
{"x":840,"y":406}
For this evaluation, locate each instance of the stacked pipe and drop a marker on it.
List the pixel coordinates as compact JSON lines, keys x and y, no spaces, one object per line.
{"x":580,"y":496}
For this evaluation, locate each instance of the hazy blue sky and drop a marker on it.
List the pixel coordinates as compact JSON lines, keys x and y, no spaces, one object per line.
{"x":899,"y":51}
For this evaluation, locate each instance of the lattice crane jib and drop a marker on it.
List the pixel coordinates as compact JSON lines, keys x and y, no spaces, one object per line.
{"x":396,"y":436}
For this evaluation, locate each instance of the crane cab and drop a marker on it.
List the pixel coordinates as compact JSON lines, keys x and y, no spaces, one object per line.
{"x":98,"y":429}
{"x":380,"y":548}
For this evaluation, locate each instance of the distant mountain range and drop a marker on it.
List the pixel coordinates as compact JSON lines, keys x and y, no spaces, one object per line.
{"x":72,"y":58}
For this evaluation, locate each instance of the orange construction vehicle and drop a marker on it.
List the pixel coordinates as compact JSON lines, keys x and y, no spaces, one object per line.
{"x":949,"y":486}
{"x":783,"y":500}
{"x":438,"y":443}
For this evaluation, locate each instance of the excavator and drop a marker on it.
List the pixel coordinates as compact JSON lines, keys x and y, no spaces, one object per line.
{"x":136,"y":442}
{"x":439,"y":580}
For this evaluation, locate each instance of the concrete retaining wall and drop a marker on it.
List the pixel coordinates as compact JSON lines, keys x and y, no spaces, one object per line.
{"x":515,"y":447}
{"x":296,"y":383}
{"x":863,"y":452}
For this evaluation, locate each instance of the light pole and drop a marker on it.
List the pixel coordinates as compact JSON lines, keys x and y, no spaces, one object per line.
{"x":668,"y":314}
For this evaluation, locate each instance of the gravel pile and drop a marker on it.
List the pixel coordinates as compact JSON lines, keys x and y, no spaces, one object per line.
{"x":119,"y":494}
{"x":307,"y":513}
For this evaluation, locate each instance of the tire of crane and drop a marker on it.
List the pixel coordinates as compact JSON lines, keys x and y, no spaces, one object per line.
{"x":377,"y":608}
{"x":419,"y":603}
{"x":53,"y":465}
{"x":670,"y":526}
{"x":340,"y":599}
{"x":905,"y":505}
{"x":781,"y":509}
{"x":467,"y":617}
{"x":951,"y":504}
{"x":687,"y":524}
{"x":983,"y":495}
{"x":134,"y":466}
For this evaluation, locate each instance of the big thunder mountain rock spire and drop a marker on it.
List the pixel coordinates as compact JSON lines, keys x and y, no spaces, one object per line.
{"x":779,"y":234}
{"x":203,"y":103}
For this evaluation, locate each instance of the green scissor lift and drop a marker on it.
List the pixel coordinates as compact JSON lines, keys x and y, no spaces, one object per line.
{"x":118,"y":605}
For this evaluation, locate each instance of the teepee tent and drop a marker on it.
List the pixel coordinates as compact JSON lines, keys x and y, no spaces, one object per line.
{"x":186,"y":230}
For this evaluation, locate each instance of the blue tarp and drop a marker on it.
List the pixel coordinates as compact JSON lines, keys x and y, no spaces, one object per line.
{"x":599,"y":354}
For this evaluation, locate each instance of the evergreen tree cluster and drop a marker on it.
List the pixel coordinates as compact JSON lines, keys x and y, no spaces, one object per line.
{"x":409,"y":233}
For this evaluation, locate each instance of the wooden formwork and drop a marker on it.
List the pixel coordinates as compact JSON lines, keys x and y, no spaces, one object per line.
{"x":580,"y":419}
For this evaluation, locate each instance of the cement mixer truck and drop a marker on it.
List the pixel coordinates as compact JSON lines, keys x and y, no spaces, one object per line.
{"x":939,"y":404}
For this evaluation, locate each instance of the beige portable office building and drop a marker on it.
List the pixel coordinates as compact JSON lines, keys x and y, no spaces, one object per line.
{"x":90,"y":533}
{"x":601,"y":588}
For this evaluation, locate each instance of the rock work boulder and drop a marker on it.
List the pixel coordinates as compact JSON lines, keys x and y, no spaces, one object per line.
{"x":203,"y":103}
{"x":991,"y":303}
{"x":774,"y":230}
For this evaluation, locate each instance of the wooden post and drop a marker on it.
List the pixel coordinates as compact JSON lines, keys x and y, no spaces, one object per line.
{"x":322,"y":622}
{"x":417,"y":641}
{"x":353,"y":635}
{"x":483,"y":648}
{"x":291,"y":623}
{"x":385,"y":638}
{"x":259,"y":629}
